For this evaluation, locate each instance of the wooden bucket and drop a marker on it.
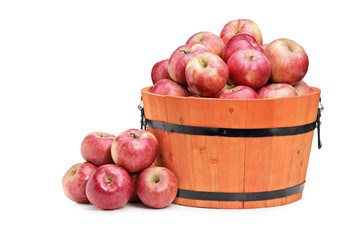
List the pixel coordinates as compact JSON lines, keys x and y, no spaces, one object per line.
{"x":234,"y":153}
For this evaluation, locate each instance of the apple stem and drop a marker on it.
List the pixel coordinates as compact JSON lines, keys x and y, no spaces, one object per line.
{"x":182,"y":51}
{"x":133,"y":135}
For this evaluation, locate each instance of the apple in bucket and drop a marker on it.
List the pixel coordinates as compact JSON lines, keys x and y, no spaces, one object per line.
{"x":289,"y":61}
{"x":240,"y":42}
{"x":169,"y":87}
{"x":238,"y":26}
{"x":160,"y":71}
{"x":210,"y":40}
{"x":250,"y":68}
{"x":238,"y":92}
{"x":277,"y":90}
{"x":180,"y":58}
{"x":206,"y":74}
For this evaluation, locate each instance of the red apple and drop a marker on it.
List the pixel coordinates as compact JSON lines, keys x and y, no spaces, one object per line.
{"x":289,"y":61}
{"x":210,"y":40}
{"x":250,"y":68}
{"x":109,"y":187}
{"x":277,"y":90}
{"x":134,"y":149}
{"x":206,"y":74}
{"x":302,"y":88}
{"x":169,"y":87}
{"x":179,"y":59}
{"x":134,"y":197}
{"x":240,"y":42}
{"x":227,"y":86}
{"x":75,"y":179}
{"x":236,"y":27}
{"x":157,"y":187}
{"x":160,"y":71}
{"x":239,"y":92}
{"x":96,"y":147}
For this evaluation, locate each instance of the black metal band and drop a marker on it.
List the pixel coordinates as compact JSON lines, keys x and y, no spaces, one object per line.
{"x":230,"y":132}
{"x":253,"y":196}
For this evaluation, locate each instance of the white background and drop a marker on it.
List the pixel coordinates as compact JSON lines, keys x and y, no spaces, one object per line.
{"x":68,"y":68}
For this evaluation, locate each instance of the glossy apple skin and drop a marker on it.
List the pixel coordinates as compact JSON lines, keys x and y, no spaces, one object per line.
{"x":301,"y":88}
{"x":157,"y":187}
{"x":206,"y":74}
{"x":134,"y":149}
{"x":289,"y":61}
{"x":250,"y":68}
{"x":160,"y":71}
{"x":179,"y":59}
{"x":239,"y":92}
{"x":96,"y":146}
{"x":75,"y":179}
{"x":238,"y":26}
{"x":277,"y":90}
{"x":109,"y":187}
{"x":169,"y":87}
{"x":210,"y":40}
{"x":240,"y":42}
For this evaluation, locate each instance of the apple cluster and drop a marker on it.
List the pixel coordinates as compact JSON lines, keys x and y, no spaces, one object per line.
{"x":234,"y":65}
{"x":120,"y":169}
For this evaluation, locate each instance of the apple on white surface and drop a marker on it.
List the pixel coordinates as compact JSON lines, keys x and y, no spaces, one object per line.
{"x":157,"y":187}
{"x":277,"y":90}
{"x":75,"y":179}
{"x":96,"y":146}
{"x":206,"y":74}
{"x":169,"y":87}
{"x":240,"y":42}
{"x":250,"y":68}
{"x":179,"y":59}
{"x":109,"y":187}
{"x":301,"y":88}
{"x":289,"y":61}
{"x":160,"y":71}
{"x":134,"y":149}
{"x":210,"y":40}
{"x":239,"y":92}
{"x":238,"y":26}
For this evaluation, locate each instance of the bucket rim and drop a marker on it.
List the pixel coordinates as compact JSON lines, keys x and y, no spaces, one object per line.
{"x":147,"y":90}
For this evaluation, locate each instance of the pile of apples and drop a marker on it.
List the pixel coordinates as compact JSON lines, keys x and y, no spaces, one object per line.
{"x":120,"y":169}
{"x":234,"y":65}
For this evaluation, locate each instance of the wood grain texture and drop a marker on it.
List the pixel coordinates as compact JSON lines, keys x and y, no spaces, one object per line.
{"x":229,"y":164}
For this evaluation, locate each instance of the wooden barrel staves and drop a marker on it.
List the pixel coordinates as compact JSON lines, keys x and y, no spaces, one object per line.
{"x":234,"y":153}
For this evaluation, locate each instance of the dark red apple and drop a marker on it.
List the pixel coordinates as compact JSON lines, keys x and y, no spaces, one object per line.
{"x":109,"y":187}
